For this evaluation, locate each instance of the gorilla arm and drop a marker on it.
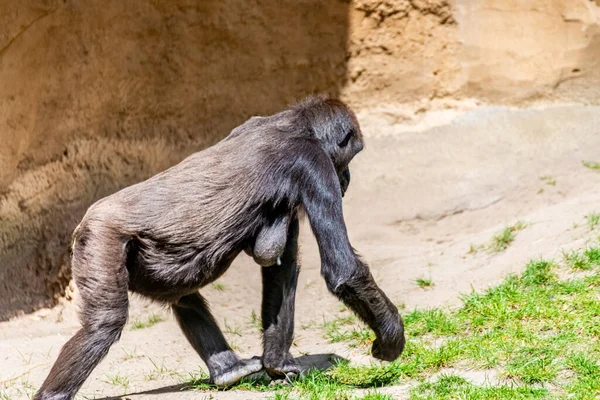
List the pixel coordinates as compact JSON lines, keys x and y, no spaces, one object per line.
{"x":347,"y":277}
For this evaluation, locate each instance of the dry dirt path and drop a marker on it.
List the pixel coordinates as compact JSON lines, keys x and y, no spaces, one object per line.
{"x":417,"y":202}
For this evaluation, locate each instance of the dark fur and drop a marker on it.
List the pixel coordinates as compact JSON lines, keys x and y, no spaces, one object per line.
{"x":166,"y":237}
{"x":270,"y":241}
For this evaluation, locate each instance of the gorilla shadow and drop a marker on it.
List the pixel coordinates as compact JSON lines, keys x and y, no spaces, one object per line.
{"x":321,"y":362}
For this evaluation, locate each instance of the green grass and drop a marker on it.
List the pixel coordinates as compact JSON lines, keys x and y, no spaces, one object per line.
{"x":151,"y":320}
{"x":315,"y":385}
{"x":548,"y":180}
{"x":130,"y":355}
{"x":376,"y":396}
{"x":424,"y":283}
{"x":118,"y":380}
{"x":593,"y":220}
{"x":500,"y":241}
{"x":538,"y":333}
{"x":232,"y":330}
{"x":504,"y":238}
{"x":591,"y":165}
{"x":582,"y":260}
{"x":219,"y":286}
{"x":452,"y":387}
{"x":256,"y":321}
{"x":336,"y":331}
{"x":474,"y":248}
{"x":159,"y":371}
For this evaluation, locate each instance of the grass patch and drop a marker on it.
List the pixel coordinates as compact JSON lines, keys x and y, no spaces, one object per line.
{"x":159,"y":371}
{"x":583,"y":260}
{"x":424,"y":283}
{"x":538,"y":332}
{"x":347,"y":329}
{"x":151,"y":320}
{"x":591,"y":165}
{"x":130,"y":355}
{"x":576,"y":261}
{"x":256,"y":321}
{"x":232,"y":330}
{"x":474,"y":248}
{"x":118,"y":380}
{"x":548,"y":180}
{"x":450,"y":387}
{"x":587,"y":380}
{"x":335,"y":384}
{"x":219,"y":286}
{"x":522,"y":327}
{"x":504,"y":238}
{"x":376,"y":396}
{"x":500,"y":241}
{"x":593,"y":220}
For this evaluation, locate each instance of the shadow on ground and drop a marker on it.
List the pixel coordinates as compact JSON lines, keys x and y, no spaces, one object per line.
{"x":321,"y":362}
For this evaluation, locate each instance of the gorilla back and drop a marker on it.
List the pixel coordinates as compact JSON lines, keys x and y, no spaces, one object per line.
{"x":170,"y":235}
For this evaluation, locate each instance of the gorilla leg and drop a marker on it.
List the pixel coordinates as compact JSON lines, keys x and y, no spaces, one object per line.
{"x":101,"y":277}
{"x":206,"y":338}
{"x":279,"y":292}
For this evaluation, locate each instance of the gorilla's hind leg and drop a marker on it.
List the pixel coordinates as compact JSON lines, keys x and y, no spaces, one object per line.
{"x":101,"y":279}
{"x":206,"y":338}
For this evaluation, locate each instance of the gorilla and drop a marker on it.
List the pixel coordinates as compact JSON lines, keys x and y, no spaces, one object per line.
{"x":167,"y":237}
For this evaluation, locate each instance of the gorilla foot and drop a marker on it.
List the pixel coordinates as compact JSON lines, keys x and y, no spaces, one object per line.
{"x":53,"y":396}
{"x":237,"y":371}
{"x":287,"y":370}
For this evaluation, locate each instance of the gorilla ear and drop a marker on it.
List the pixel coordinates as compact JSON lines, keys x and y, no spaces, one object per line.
{"x":347,"y":138}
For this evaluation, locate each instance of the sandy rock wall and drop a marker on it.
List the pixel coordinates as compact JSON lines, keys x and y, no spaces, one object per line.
{"x":95,"y":96}
{"x":499,"y":51}
{"x":529,"y":50}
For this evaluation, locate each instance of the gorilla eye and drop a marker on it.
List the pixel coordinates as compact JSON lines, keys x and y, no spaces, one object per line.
{"x":344,"y":142}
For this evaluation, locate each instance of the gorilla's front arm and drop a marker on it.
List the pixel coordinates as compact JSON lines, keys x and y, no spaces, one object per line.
{"x":347,"y":277}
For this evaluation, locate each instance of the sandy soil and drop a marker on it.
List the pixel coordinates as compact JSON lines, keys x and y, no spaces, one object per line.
{"x":418,"y":200}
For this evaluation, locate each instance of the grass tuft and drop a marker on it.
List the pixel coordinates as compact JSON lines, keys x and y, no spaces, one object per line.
{"x":532,"y":365}
{"x":153,"y":319}
{"x":591,"y":165}
{"x":376,"y":396}
{"x":548,"y":180}
{"x":539,"y":272}
{"x":424,"y":283}
{"x":592,"y":255}
{"x":256,"y":321}
{"x":593,"y":220}
{"x":576,"y":261}
{"x":365,"y":376}
{"x":504,"y":238}
{"x":232,"y":330}
{"x":118,"y":380}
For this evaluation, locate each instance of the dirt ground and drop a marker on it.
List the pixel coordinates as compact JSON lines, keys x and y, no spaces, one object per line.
{"x":422,"y":193}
